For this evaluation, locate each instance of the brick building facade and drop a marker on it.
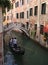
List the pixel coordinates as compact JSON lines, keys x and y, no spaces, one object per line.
{"x":35,"y":12}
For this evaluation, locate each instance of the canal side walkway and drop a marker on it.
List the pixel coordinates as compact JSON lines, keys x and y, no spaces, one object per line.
{"x":39,"y":43}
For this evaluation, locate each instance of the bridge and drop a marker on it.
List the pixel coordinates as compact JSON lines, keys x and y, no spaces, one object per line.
{"x":16,"y":27}
{"x":25,"y":30}
{"x":9,"y":27}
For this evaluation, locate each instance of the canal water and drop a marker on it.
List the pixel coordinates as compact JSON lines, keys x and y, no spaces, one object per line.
{"x":34,"y":54}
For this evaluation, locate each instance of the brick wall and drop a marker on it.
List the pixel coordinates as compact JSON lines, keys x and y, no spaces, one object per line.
{"x":1,"y":38}
{"x":1,"y":50}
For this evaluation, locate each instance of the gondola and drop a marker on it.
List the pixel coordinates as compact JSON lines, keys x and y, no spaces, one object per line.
{"x":18,"y":51}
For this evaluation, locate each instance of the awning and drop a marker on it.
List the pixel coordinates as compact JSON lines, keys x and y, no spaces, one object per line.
{"x":45,"y":29}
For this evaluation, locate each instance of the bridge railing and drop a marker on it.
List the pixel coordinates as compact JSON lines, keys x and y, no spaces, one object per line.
{"x":25,"y":30}
{"x":7,"y":27}
{"x":16,"y":26}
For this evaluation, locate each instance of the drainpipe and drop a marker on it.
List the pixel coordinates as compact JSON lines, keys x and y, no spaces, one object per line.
{"x":6,"y":14}
{"x":29,"y":16}
{"x":38,"y":20}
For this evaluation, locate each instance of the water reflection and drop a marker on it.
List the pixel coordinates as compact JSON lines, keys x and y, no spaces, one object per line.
{"x":9,"y":59}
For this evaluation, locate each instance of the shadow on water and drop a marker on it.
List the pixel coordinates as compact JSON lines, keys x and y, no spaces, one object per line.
{"x":9,"y":59}
{"x":19,"y":59}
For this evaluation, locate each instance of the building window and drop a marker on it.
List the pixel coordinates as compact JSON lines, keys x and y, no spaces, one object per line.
{"x":4,"y":18}
{"x":27,"y":1}
{"x":12,"y":6}
{"x":27,"y":15}
{"x":35,"y":27}
{"x":17,"y":4}
{"x":31,"y":11}
{"x":7,"y":17}
{"x":36,"y":10}
{"x":41,"y":29}
{"x":7,"y":9}
{"x":17,"y":15}
{"x":43,"y":10}
{"x":22,"y":2}
{"x":22,"y":15}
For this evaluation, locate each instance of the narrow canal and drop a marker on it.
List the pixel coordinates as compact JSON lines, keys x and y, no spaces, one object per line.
{"x":34,"y":54}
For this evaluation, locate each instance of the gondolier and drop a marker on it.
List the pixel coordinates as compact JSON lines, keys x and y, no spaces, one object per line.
{"x":11,"y":42}
{"x":15,"y":42}
{"x":16,"y":49}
